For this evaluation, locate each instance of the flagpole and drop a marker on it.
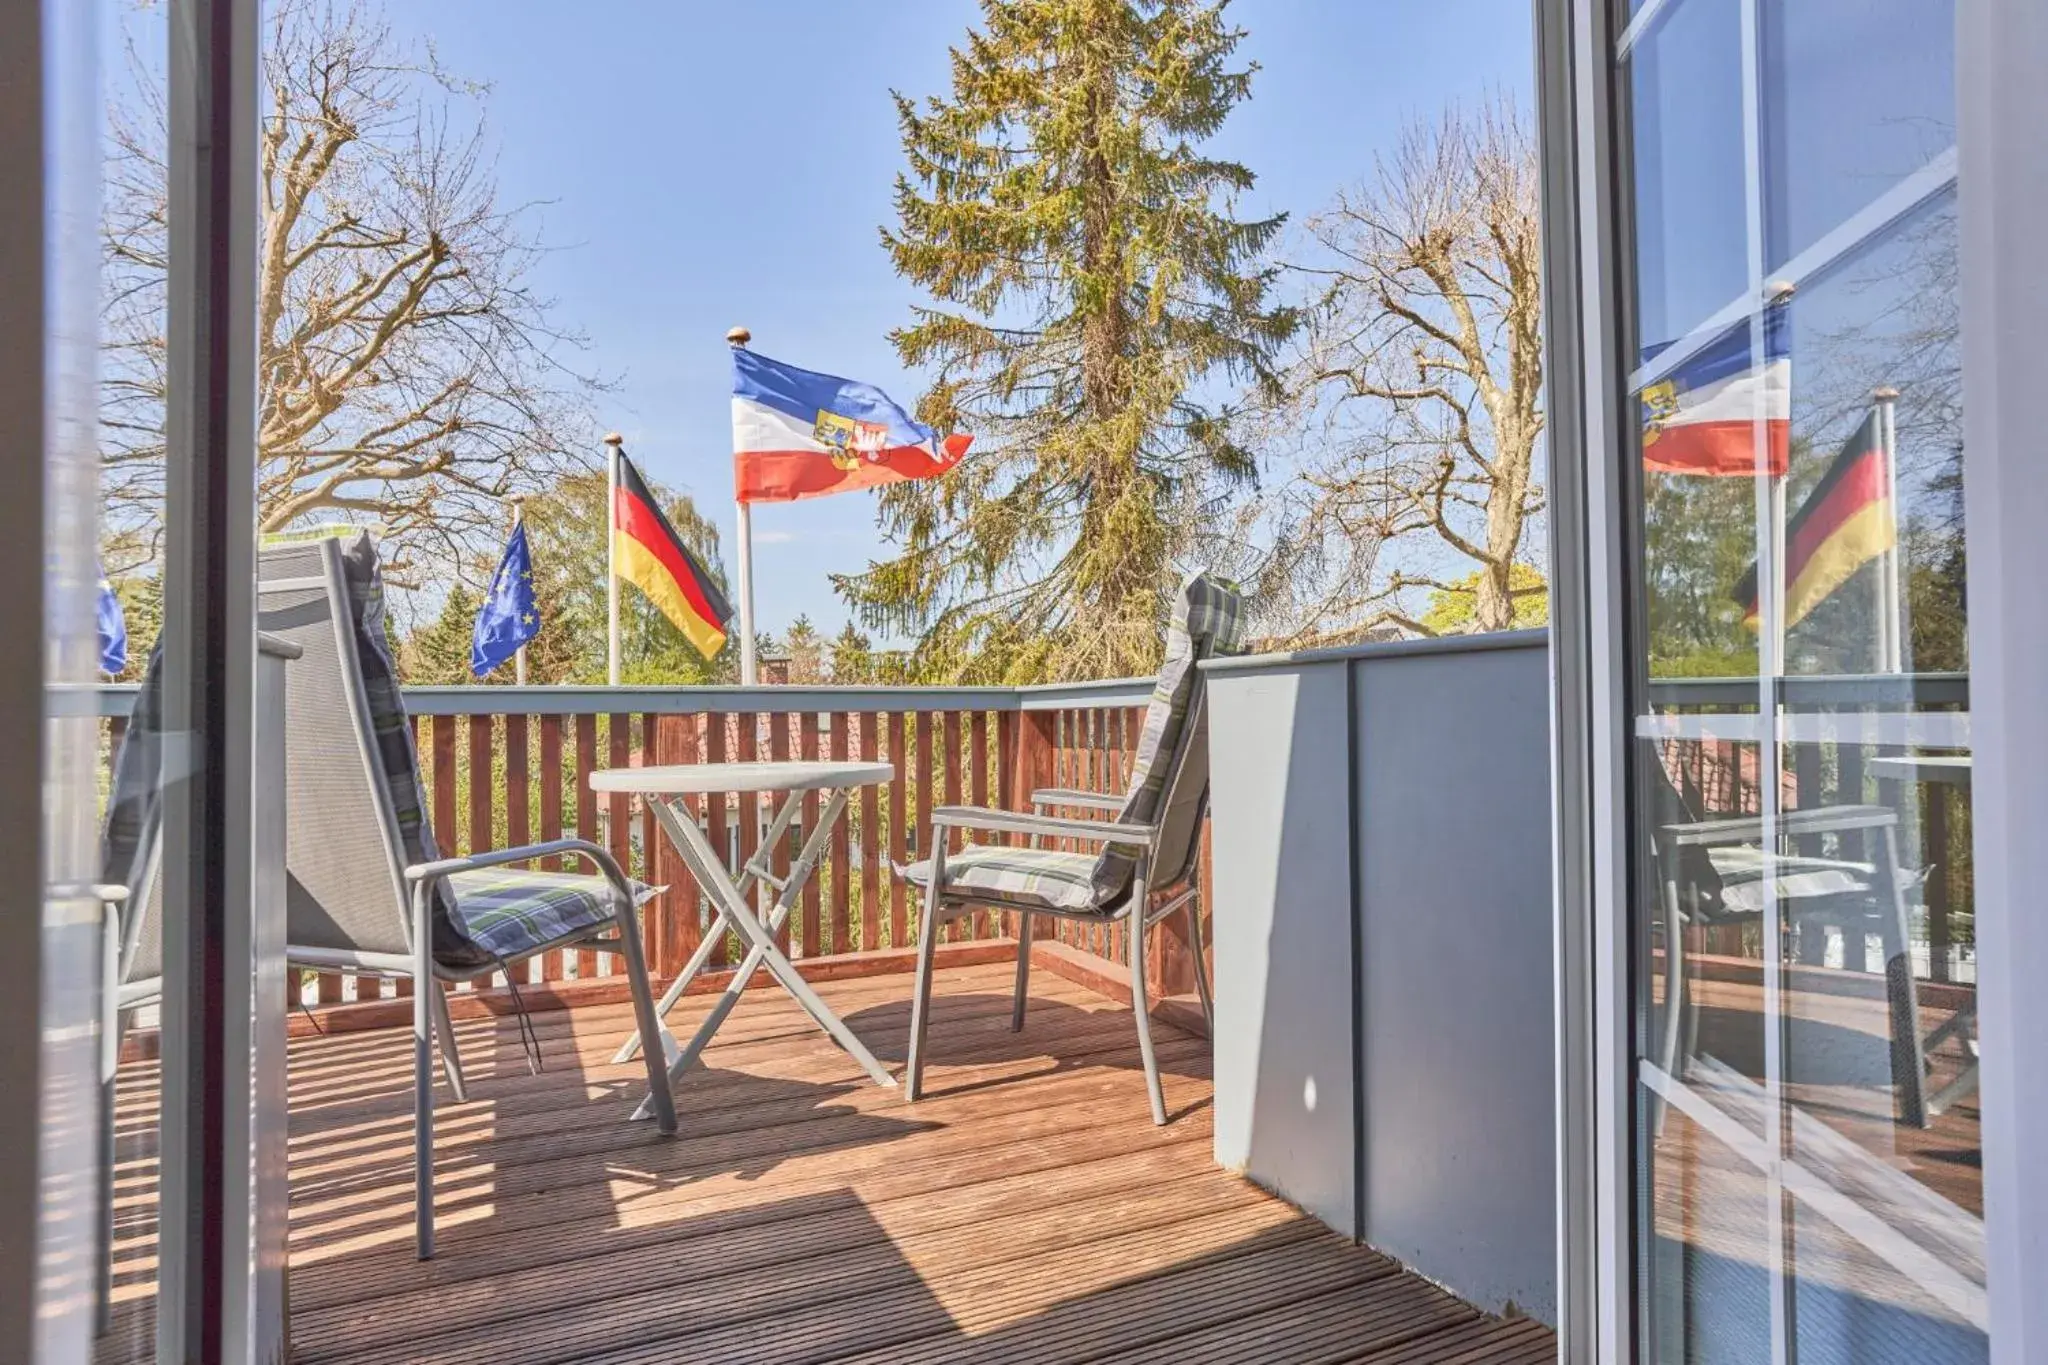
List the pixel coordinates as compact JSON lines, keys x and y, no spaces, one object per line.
{"x":519,"y":658}
{"x":749,"y":676}
{"x":612,"y":442}
{"x":1892,"y":628}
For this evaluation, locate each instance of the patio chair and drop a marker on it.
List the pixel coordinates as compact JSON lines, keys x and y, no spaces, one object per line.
{"x":1711,"y":872}
{"x":367,"y":888}
{"x":1151,"y":846}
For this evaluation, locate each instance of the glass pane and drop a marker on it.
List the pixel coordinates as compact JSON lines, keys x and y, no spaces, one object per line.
{"x":1706,"y":1268}
{"x":1684,"y":97}
{"x":1803,"y":932}
{"x":1857,"y":95}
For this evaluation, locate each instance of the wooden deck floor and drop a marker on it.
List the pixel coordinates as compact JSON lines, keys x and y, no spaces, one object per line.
{"x":1026,"y":1210}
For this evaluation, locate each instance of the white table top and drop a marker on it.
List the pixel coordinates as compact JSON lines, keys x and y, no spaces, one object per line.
{"x":1925,"y":768}
{"x":695,"y":779}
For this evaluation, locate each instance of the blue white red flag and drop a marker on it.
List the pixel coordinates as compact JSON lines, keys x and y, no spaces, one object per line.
{"x":800,"y":434}
{"x":1702,"y":417}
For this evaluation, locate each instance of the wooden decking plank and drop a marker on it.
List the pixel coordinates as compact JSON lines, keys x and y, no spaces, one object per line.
{"x":1327,"y":1329}
{"x":1488,"y":1341}
{"x":1026,"y":1212}
{"x":1084,"y":1112}
{"x":620,"y":1301}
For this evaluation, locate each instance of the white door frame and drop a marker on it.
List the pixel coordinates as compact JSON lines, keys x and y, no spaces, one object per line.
{"x":2002,"y":50}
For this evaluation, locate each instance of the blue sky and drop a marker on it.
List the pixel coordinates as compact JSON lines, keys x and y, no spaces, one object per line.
{"x":707,"y":165}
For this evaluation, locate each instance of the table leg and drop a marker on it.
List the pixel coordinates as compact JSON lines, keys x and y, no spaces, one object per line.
{"x":730,"y":896}
{"x":665,"y":815}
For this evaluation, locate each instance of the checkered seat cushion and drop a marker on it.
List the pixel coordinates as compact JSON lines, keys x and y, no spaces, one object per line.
{"x":1029,"y":878}
{"x":510,"y":911}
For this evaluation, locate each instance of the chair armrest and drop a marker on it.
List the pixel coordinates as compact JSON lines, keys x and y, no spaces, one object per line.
{"x":1748,"y":829}
{"x":1016,"y":822}
{"x":1078,"y":800}
{"x":442,"y":867}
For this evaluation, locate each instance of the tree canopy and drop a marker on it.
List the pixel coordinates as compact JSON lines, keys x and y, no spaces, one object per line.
{"x":1095,"y":297}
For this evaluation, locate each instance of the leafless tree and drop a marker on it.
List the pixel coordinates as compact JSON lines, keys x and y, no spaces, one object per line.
{"x":411,"y":377}
{"x":1417,"y":396}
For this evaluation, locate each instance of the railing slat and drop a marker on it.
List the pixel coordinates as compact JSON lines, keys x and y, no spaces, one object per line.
{"x":658,"y":919}
{"x":814,"y":934}
{"x":778,"y":856}
{"x":518,"y":793}
{"x":842,"y":891}
{"x":586,"y":810}
{"x":619,"y":828}
{"x":897,"y":725}
{"x":551,"y":813}
{"x":921,"y":787}
{"x":749,"y":802}
{"x":715,"y":817}
{"x":977,"y":794}
{"x":870,"y":845}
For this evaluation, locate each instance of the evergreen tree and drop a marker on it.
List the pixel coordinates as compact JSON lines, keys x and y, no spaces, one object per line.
{"x":1093,"y":291}
{"x":438,"y":652}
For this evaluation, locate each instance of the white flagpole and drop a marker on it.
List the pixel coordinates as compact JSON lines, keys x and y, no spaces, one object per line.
{"x":612,"y":442}
{"x":749,"y":674}
{"x":1892,"y":628}
{"x":519,"y":659}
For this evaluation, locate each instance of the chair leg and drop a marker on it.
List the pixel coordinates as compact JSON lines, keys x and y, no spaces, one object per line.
{"x":648,"y":1020}
{"x":927,"y":954}
{"x":444,"y":1030}
{"x":423,"y":982}
{"x":1023,"y":971}
{"x":1202,"y":989}
{"x":1140,"y":1005}
{"x":1909,"y":1052}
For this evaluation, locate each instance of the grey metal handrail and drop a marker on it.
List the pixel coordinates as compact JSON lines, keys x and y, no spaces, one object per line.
{"x":114,"y":700}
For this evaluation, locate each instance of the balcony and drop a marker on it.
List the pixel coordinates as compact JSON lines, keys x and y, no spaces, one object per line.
{"x":1026,"y":1209}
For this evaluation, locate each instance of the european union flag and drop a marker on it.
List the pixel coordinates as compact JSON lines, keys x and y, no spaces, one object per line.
{"x":113,"y":630}
{"x":509,"y":616}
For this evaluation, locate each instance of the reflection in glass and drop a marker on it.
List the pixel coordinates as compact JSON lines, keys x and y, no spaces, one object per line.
{"x":1804,"y":955}
{"x":1858,"y":94}
{"x":1685,"y":98}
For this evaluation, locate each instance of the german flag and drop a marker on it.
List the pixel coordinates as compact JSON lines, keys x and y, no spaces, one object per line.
{"x":1847,"y":521}
{"x":652,"y":557}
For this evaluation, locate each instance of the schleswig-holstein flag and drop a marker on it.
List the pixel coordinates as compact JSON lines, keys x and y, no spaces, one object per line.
{"x":649,"y":554}
{"x":800,"y":434}
{"x":1701,"y":418}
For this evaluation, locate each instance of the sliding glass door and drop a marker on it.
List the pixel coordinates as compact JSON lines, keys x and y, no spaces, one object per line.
{"x":1803,"y":1119}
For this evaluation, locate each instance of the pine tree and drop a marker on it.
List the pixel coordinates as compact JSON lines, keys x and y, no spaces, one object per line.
{"x":1093,"y":291}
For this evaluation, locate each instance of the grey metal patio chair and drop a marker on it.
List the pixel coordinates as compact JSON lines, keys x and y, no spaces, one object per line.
{"x":1151,"y":845}
{"x":367,"y":888}
{"x":1710,"y":871}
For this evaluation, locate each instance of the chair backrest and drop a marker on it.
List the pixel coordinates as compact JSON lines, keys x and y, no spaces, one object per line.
{"x":345,"y":888}
{"x":1170,"y":778}
{"x":355,"y":813}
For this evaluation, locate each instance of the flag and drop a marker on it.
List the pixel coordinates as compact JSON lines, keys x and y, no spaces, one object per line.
{"x":799,"y":434}
{"x":652,"y":557}
{"x":113,"y":630}
{"x":1701,"y":418}
{"x":509,"y":616}
{"x":1846,"y":521}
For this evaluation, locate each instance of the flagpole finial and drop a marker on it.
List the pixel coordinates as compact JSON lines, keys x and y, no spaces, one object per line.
{"x":612,"y":438}
{"x":1777,"y":291}
{"x":738,"y":336}
{"x":1884,"y":393}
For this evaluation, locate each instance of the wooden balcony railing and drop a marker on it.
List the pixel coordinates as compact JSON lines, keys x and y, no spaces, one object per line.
{"x":1830,"y":730}
{"x":510,"y":765}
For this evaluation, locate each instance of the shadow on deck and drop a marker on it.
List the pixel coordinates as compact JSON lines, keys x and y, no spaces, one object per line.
{"x":1026,"y":1210}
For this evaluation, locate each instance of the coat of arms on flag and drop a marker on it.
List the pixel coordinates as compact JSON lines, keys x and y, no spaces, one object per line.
{"x":800,"y":434}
